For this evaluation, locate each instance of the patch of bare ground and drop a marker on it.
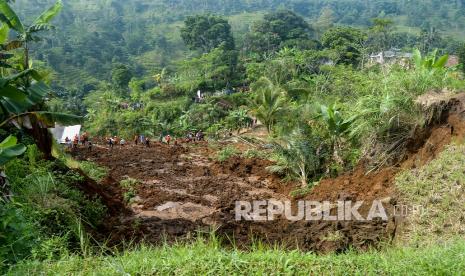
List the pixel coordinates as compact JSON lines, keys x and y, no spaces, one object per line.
{"x":182,"y":190}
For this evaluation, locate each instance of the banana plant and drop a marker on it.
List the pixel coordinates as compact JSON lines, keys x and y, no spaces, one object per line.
{"x":431,"y":62}
{"x":19,"y":105}
{"x":26,"y":34}
{"x":17,"y":100}
{"x":22,"y":92}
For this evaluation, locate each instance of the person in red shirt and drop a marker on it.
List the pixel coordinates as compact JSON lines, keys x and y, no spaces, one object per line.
{"x":75,"y":141}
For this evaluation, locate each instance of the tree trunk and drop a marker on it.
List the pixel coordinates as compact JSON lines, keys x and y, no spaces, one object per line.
{"x":42,"y":137}
{"x":303,"y":177}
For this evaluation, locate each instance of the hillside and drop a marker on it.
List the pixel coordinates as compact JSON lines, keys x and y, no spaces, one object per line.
{"x":94,"y":35}
{"x":230,"y":137}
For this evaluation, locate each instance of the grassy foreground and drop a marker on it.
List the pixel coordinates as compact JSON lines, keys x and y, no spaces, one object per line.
{"x":209,"y":258}
{"x":439,"y":188}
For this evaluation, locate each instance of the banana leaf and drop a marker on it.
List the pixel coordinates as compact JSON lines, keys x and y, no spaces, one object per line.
{"x":10,"y":150}
{"x":13,"y":93}
{"x":49,"y":14}
{"x":9,"y":17}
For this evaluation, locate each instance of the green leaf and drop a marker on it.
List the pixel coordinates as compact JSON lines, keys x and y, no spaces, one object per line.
{"x":8,"y":142}
{"x":12,"y":93}
{"x":441,"y":62}
{"x":11,"y":153}
{"x":4,"y":31}
{"x":30,"y":72}
{"x":417,"y":58}
{"x":9,"y":17}
{"x":48,"y":15}
{"x":37,"y":92}
{"x":4,"y":65}
{"x":50,"y":118}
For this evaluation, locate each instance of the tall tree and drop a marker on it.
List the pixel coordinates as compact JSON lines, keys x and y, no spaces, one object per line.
{"x":277,"y":30}
{"x":121,"y":76}
{"x":380,"y":35}
{"x":206,"y":32}
{"x":347,"y":42}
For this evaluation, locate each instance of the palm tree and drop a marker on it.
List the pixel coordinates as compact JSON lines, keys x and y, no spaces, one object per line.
{"x":269,"y":102}
{"x":296,"y":155}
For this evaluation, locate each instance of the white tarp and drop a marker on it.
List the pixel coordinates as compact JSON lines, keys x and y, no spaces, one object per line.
{"x":60,"y":132}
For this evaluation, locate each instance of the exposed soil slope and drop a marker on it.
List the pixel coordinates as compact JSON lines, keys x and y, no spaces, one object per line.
{"x":183,"y":190}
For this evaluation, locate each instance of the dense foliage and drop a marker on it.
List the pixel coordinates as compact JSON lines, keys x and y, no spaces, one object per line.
{"x":146,"y":37}
{"x":300,"y":70}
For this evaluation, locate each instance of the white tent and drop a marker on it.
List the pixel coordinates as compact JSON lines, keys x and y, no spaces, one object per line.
{"x":60,"y":132}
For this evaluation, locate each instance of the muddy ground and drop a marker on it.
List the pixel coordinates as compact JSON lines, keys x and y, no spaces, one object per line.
{"x":183,"y":189}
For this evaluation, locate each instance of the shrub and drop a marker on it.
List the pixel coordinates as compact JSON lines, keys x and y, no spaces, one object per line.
{"x":129,"y":185}
{"x":255,"y":153}
{"x":94,"y":171}
{"x":17,"y":234}
{"x":40,"y":222}
{"x":226,"y":153}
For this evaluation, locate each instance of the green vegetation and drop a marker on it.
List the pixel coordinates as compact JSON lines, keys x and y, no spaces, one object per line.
{"x":438,"y":189}
{"x":210,"y":258}
{"x":129,"y":185}
{"x":226,"y":153}
{"x":9,"y":149}
{"x":299,"y":70}
{"x":44,"y":217}
{"x":93,"y":170}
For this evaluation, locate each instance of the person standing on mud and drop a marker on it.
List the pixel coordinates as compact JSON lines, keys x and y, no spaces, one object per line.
{"x":190,"y":136}
{"x":89,"y":146}
{"x":111,"y":142}
{"x":68,"y":142}
{"x":136,"y":140}
{"x":147,"y":142}
{"x":85,"y":138}
{"x":116,"y":140}
{"x":168,"y":139}
{"x":200,"y":136}
{"x":75,"y":141}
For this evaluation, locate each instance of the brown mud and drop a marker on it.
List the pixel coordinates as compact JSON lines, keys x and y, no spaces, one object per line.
{"x":182,"y":190}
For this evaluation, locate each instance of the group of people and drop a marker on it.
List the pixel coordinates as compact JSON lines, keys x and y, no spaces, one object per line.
{"x":199,"y":136}
{"x":83,"y":140}
{"x":142,"y":140}
{"x":115,"y":140}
